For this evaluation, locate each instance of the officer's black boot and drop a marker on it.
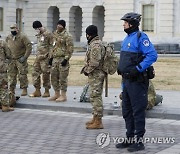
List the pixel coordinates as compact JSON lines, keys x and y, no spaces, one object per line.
{"x":126,"y":143}
{"x":137,"y":146}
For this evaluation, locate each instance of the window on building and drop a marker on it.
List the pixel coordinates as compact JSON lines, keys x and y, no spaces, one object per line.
{"x":19,"y":18}
{"x":148,"y":18}
{"x":1,"y":19}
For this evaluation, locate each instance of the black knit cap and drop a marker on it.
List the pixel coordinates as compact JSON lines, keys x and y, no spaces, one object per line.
{"x":62,"y":22}
{"x":92,"y":30}
{"x":36,"y":24}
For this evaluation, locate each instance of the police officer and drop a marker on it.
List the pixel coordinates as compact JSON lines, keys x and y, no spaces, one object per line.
{"x":93,"y":69}
{"x":59,"y":59}
{"x":21,"y":48}
{"x":5,"y":56}
{"x":40,"y":66}
{"x":132,"y":67}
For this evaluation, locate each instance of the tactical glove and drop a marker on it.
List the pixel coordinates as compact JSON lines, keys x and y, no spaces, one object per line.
{"x":83,"y":72}
{"x":64,"y":62}
{"x":86,"y":74}
{"x":50,"y":61}
{"x":22,"y":59}
{"x":134,"y":72}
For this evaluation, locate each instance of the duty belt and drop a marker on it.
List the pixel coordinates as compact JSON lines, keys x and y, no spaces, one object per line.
{"x":129,"y":77}
{"x":139,"y":78}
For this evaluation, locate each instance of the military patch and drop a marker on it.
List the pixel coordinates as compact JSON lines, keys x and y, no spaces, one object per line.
{"x":96,"y":45}
{"x":146,"y":43}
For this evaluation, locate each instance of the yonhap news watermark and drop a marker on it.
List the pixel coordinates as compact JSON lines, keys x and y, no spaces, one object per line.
{"x":104,"y":139}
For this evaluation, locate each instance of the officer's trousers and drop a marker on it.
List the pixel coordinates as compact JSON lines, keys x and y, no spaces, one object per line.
{"x":134,"y":103}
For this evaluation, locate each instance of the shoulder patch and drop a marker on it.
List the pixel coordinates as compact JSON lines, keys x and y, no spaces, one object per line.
{"x":146,"y":43}
{"x":95,"y":45}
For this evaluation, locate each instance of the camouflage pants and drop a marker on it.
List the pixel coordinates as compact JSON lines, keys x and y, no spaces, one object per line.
{"x":14,"y":68}
{"x":4,"y":96}
{"x":41,"y":67}
{"x":59,"y":74}
{"x":96,"y":80}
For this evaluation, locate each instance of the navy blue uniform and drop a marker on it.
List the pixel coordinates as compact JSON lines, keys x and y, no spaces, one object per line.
{"x":135,"y":89}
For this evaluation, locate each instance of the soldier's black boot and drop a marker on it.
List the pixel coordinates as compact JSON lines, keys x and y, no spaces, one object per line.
{"x":136,"y":147}
{"x":126,"y":143}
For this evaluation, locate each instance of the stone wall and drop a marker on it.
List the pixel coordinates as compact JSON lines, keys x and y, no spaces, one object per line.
{"x":167,"y":19}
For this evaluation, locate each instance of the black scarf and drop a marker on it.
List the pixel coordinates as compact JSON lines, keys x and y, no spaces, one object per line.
{"x":131,"y":29}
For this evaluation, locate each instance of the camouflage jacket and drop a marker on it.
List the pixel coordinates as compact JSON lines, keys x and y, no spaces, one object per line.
{"x":94,"y":55}
{"x":62,"y":45}
{"x":44,"y":44}
{"x":19,"y":45}
{"x":5,"y":54}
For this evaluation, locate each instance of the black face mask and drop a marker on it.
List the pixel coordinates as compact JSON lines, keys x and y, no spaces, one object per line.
{"x":87,"y":37}
{"x":91,"y":37}
{"x":131,"y":29}
{"x":13,"y":33}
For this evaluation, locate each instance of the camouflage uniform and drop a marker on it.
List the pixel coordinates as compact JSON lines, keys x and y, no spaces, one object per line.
{"x":4,"y":93}
{"x":93,"y":67}
{"x":40,"y":65}
{"x":63,"y":49}
{"x":20,"y":46}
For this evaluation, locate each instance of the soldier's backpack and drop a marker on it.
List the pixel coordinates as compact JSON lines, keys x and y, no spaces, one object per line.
{"x":110,"y":61}
{"x":153,"y":98}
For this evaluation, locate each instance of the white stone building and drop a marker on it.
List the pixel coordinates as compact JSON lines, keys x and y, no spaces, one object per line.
{"x":160,"y":18}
